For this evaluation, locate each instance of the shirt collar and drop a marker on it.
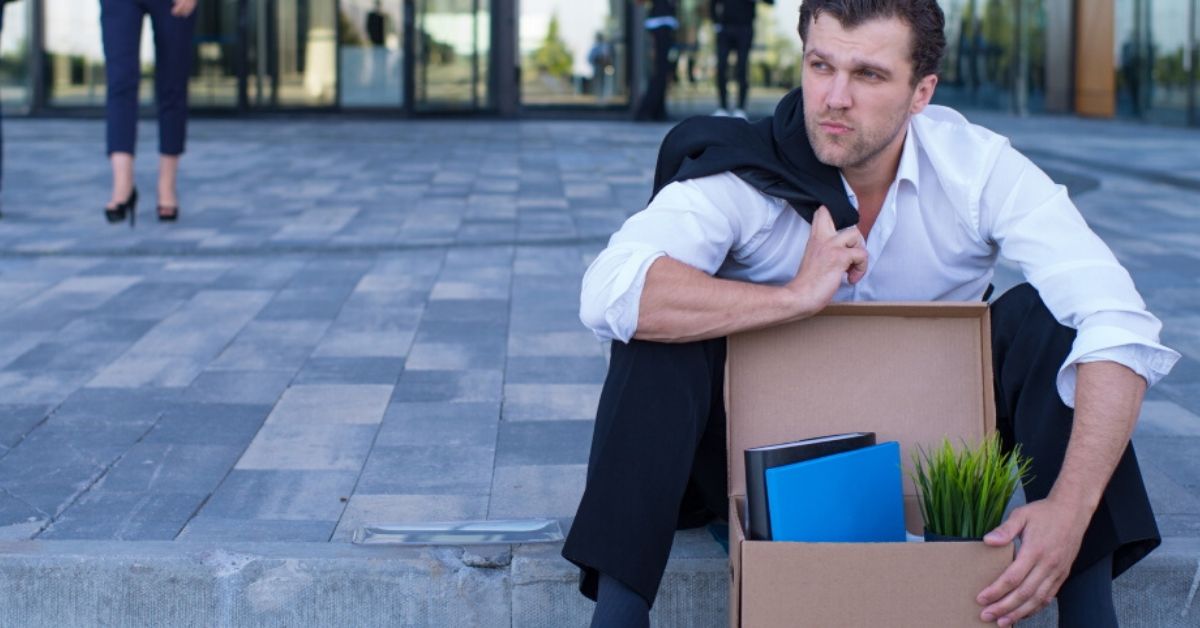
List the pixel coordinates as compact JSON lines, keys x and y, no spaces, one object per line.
{"x":906,"y":170}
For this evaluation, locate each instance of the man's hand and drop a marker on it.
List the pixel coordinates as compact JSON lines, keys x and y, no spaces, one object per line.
{"x":830,"y":255}
{"x":1051,"y":532}
{"x":183,"y":8}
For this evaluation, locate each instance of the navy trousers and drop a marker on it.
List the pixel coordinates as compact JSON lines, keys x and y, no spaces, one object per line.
{"x":658,"y":452}
{"x":121,"y":23}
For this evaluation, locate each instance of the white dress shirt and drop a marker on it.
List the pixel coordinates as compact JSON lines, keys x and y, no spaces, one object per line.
{"x":962,"y":197}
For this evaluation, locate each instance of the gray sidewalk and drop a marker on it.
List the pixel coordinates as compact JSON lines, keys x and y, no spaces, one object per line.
{"x":372,"y":322}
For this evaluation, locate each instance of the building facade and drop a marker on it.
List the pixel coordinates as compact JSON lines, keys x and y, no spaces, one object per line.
{"x":1125,"y":58}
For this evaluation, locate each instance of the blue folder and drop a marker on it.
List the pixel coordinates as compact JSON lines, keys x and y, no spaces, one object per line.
{"x":852,"y":497}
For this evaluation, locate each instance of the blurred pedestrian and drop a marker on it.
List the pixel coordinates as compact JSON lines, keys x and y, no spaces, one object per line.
{"x":601,"y":59}
{"x":662,"y":24}
{"x":174,"y":22}
{"x":733,"y":21}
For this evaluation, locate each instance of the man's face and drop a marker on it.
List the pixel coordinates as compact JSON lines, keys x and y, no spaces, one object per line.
{"x":858,"y":93}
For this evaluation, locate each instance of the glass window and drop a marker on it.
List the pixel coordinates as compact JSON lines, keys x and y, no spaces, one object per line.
{"x":292,"y":53}
{"x":371,"y":70}
{"x":1169,"y":63}
{"x":214,"y":71}
{"x":14,"y":56}
{"x":453,"y":51}
{"x":75,"y":55}
{"x":572,"y":52}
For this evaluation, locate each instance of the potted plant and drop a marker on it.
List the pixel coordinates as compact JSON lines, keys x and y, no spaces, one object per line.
{"x":963,"y":493}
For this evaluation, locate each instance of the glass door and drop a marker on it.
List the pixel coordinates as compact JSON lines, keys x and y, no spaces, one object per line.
{"x":291,"y":53}
{"x":371,"y":66}
{"x":573,"y":53}
{"x":451,"y":50}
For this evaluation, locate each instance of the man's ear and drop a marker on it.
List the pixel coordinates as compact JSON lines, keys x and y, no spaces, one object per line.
{"x":923,"y":94}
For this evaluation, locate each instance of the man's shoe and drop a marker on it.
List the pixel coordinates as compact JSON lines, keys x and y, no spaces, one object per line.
{"x":738,"y":113}
{"x":720,"y":113}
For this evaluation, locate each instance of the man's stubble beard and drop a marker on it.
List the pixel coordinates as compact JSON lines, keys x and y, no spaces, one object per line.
{"x":865,"y":145}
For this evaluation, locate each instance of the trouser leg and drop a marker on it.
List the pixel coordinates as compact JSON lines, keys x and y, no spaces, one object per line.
{"x":723,"y":49}
{"x":121,"y":26}
{"x":653,"y":106}
{"x":657,"y":461}
{"x":173,"y":65}
{"x":1028,"y":347}
{"x":745,"y":37}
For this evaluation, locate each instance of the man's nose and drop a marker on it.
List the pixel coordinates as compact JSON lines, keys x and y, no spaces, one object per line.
{"x":839,"y":92}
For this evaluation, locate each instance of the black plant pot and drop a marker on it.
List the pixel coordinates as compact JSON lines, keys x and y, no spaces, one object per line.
{"x":932,"y":537}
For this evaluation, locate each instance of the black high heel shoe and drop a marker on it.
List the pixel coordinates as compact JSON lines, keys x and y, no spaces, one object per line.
{"x":168,"y":213}
{"x":129,"y":207}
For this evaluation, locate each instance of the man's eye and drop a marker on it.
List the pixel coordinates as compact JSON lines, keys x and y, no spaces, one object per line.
{"x":820,"y":65}
{"x":870,"y":74}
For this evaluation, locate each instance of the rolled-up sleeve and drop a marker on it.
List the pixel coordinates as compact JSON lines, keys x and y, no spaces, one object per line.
{"x":1036,"y":225}
{"x":696,"y":222}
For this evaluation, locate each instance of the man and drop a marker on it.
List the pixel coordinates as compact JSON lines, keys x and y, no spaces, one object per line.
{"x":937,"y":201}
{"x":734,"y":23}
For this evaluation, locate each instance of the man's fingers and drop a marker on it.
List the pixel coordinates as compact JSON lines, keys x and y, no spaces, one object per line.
{"x":822,"y":223}
{"x":1008,"y":530}
{"x":1009,"y":580}
{"x":1016,"y":598}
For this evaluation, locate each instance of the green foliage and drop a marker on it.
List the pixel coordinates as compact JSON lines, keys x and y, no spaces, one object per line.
{"x":553,"y":57}
{"x":963,"y":493}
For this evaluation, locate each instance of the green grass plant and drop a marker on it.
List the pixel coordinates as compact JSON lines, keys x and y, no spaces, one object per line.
{"x":963,"y":492}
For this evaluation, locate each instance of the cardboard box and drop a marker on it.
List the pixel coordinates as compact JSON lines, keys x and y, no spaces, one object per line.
{"x":912,"y":373}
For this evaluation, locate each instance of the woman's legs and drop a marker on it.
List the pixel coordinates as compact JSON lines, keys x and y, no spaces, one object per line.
{"x":173,"y":62}
{"x":121,"y":26}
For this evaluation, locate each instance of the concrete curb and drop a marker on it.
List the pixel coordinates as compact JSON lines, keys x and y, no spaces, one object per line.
{"x":114,"y":583}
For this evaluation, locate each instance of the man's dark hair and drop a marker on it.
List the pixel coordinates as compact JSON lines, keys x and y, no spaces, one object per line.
{"x":924,"y":18}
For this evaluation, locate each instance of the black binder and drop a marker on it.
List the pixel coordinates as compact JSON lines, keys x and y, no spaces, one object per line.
{"x":759,"y":459}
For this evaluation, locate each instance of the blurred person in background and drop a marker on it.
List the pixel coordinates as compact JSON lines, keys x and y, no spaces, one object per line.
{"x":662,"y":24}
{"x":734,"y":22}
{"x":174,"y":23}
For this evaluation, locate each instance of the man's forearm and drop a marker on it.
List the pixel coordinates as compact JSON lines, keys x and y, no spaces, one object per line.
{"x":680,"y":303}
{"x":1108,"y":397}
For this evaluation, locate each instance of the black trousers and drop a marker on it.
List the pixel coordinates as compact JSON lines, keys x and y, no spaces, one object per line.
{"x":658,"y":453}
{"x":121,"y":25}
{"x":654,"y":101}
{"x":734,"y":38}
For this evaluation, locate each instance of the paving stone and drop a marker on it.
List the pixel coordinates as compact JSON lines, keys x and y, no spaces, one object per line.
{"x":40,"y":387}
{"x":283,"y":495}
{"x":428,"y":470}
{"x":17,"y":420}
{"x":329,"y":404}
{"x":322,"y":370}
{"x":536,"y":491}
{"x":464,"y":386}
{"x":398,"y":509}
{"x":157,"y":467}
{"x":467,"y":310}
{"x":248,"y":387}
{"x":309,"y":446}
{"x":554,"y":344}
{"x":543,"y":443}
{"x":555,"y":370}
{"x":439,"y":423}
{"x":272,"y":345}
{"x":136,"y":516}
{"x":1164,"y":418}
{"x":344,"y":343}
{"x":551,"y":402}
{"x":218,"y":424}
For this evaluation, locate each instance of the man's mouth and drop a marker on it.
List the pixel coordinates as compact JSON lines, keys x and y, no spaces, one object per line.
{"x":835,"y":128}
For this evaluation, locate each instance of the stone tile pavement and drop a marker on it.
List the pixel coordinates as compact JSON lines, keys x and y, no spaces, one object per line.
{"x":375,"y":322}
